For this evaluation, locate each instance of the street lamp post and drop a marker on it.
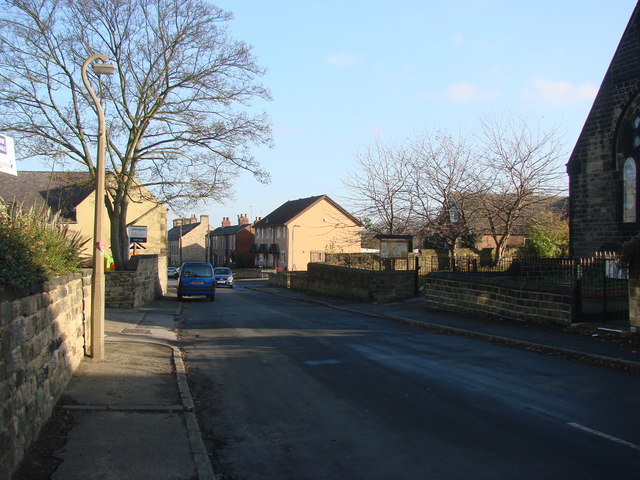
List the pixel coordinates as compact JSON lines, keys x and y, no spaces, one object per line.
{"x":97,"y":279}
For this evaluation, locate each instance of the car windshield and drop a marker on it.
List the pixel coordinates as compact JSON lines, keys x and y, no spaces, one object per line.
{"x":222,"y":271}
{"x":197,"y":271}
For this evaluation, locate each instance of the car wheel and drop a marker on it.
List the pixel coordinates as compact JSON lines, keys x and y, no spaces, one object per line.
{"x":179,"y":295}
{"x":212,"y":298}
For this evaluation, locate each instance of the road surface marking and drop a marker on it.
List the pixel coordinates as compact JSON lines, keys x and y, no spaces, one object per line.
{"x":604,"y":435}
{"x":322,"y":362}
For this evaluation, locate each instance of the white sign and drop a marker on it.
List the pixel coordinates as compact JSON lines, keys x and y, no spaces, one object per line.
{"x":7,"y":156}
{"x":137,"y":234}
{"x":394,"y":248}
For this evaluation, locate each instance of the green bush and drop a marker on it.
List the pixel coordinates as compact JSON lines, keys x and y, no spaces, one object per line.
{"x":547,"y":240}
{"x":35,"y":247}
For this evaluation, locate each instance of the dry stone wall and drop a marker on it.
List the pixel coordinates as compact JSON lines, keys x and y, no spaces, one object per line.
{"x":133,"y":288}
{"x":357,"y":284}
{"x":504,"y":297}
{"x":41,"y":345}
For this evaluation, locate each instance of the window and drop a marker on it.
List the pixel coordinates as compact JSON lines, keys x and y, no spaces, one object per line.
{"x":629,"y":191}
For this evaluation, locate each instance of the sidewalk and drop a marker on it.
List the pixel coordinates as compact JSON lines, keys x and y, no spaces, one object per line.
{"x":130,"y":415}
{"x":584,"y":342}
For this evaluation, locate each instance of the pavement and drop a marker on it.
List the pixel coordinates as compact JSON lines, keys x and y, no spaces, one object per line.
{"x":132,"y":414}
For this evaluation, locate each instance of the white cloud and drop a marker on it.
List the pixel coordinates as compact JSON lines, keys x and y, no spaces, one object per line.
{"x":376,"y":131}
{"x":560,"y":92}
{"x":462,"y":92}
{"x":340,"y":59}
{"x":458,"y":40}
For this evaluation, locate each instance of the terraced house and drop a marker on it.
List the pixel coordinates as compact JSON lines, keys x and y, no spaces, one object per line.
{"x":230,"y":245}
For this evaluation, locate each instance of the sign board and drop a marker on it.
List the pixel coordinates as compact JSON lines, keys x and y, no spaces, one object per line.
{"x":7,"y":155}
{"x":394,"y":248}
{"x":137,"y":234}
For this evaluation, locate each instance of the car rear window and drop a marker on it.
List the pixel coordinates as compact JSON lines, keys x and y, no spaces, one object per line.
{"x":197,"y":271}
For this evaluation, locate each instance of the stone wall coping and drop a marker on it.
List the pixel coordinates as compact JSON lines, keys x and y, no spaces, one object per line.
{"x":362,"y":270}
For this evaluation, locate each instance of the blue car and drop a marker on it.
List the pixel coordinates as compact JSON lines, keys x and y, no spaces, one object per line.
{"x":196,"y":278}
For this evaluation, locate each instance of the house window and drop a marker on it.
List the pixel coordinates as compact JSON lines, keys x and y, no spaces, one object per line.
{"x":629,"y":191}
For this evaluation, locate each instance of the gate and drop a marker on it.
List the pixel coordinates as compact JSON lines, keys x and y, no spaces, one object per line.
{"x":602,"y":290}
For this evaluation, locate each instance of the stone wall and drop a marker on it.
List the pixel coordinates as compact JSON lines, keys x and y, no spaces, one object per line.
{"x":138,"y":286}
{"x":247,"y":273}
{"x":506,"y":297}
{"x":42,"y":343}
{"x":363,"y":285}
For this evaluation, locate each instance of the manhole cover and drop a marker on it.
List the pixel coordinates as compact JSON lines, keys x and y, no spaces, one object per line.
{"x":139,"y":331}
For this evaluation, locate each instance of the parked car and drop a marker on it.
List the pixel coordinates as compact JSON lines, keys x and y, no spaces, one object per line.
{"x":224,"y":276}
{"x":173,"y":272}
{"x":196,"y":278}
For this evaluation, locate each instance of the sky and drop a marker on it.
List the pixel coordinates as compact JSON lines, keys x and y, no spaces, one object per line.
{"x":343,"y":73}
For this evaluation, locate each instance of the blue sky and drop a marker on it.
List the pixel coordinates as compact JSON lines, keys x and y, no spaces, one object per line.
{"x":343,"y":72}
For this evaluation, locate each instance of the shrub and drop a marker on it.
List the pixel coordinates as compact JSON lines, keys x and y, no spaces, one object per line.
{"x":547,"y":240}
{"x":34,"y":246}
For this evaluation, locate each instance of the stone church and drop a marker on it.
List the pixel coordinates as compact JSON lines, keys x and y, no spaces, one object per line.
{"x":604,"y":168}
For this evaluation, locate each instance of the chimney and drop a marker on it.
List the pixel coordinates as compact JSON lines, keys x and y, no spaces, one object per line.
{"x":243,"y":219}
{"x":226,"y":222}
{"x":204,"y":220}
{"x":258,"y":219}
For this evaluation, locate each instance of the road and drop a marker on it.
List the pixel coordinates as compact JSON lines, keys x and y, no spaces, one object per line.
{"x":290,"y":390}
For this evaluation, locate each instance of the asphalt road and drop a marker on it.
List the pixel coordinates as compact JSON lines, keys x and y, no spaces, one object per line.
{"x":288,"y":390}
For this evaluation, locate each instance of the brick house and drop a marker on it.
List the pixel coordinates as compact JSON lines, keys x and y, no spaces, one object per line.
{"x":71,"y":194}
{"x":230,"y":245}
{"x":286,"y":237}
{"x":188,"y":240}
{"x":603,"y":168}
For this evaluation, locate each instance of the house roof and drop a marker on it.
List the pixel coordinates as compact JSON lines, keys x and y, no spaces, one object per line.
{"x":60,"y":191}
{"x":291,"y":209}
{"x":230,"y":230}
{"x":174,"y":233}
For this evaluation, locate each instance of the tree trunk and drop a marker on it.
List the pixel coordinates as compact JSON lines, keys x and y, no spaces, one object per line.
{"x":501,"y":245}
{"x":119,"y":237}
{"x":452,"y":256}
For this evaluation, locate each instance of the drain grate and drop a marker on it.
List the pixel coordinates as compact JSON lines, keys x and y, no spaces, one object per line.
{"x":138,"y":331}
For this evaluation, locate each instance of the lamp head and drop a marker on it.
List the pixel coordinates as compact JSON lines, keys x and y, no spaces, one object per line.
{"x":103,"y":68}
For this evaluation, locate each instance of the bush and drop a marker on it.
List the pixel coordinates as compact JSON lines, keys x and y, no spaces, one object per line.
{"x":547,"y":240}
{"x":35,"y":247}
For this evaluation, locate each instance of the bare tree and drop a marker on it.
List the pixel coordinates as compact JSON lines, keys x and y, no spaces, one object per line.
{"x":175,"y":109}
{"x":522,"y":171}
{"x":380,"y":188}
{"x":445,"y":184}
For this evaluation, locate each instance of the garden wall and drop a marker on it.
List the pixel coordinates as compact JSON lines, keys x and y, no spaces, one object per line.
{"x":504,"y":296}
{"x":364,"y":285}
{"x":139,"y":285}
{"x":42,"y":343}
